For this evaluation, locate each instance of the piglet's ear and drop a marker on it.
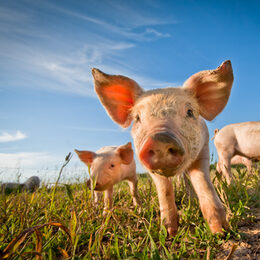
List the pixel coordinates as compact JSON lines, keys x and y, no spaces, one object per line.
{"x":212,"y":89}
{"x":117,"y":94}
{"x":86,"y":156}
{"x":126,"y":153}
{"x":215,"y":133}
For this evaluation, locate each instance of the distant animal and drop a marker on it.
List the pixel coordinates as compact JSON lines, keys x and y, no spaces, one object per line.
{"x":110,"y":165}
{"x":241,"y":139}
{"x":237,"y":159}
{"x":30,"y":185}
{"x":10,"y":187}
{"x":170,"y":134}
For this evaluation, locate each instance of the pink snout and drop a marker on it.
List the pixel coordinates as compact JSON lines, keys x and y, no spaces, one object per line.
{"x":162,"y":153}
{"x":97,"y":187}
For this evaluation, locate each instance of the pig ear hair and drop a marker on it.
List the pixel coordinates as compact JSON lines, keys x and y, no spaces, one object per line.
{"x":215,"y":133}
{"x":212,"y":89}
{"x":126,"y":153}
{"x":117,"y":94}
{"x":86,"y":156}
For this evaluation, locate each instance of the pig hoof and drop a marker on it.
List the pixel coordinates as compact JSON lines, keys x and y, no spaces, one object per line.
{"x":226,"y":225}
{"x":172,"y":231}
{"x":217,"y":228}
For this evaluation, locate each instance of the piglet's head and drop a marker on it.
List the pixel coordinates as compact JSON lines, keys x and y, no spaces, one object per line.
{"x":166,"y":122}
{"x":105,"y":164}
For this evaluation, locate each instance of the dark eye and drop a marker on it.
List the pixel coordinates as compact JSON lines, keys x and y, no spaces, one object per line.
{"x":112,"y":165}
{"x":137,"y":118}
{"x":190,"y":113}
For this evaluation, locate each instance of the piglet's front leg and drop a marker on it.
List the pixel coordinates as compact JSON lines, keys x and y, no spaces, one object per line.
{"x":108,"y":199}
{"x":134,"y":191}
{"x":168,"y":209}
{"x":211,"y":206}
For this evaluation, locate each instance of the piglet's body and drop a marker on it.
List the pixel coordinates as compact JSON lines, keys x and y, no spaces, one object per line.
{"x":170,"y":134}
{"x":237,"y":139}
{"x":110,"y":165}
{"x":237,"y":159}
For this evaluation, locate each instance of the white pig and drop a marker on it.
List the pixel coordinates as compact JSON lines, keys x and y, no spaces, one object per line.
{"x":238,"y":159}
{"x":110,"y":165}
{"x":237,"y":139}
{"x":170,"y":134}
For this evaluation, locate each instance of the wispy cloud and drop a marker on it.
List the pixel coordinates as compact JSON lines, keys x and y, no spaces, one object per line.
{"x":6,"y":137}
{"x":23,"y":159}
{"x":156,"y":33}
{"x":61,"y":62}
{"x":125,"y":25}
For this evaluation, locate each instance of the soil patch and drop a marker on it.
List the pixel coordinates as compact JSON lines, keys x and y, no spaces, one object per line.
{"x":248,"y":247}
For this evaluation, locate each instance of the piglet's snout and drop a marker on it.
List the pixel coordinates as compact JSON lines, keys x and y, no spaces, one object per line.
{"x":162,"y":151}
{"x":97,"y":185}
{"x":89,"y":184}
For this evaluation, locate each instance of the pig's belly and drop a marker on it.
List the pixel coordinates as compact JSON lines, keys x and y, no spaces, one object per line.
{"x":249,"y":146}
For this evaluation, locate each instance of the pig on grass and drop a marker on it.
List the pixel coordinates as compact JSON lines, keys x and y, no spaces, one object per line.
{"x":170,"y":134}
{"x":237,"y":159}
{"x":241,"y":139}
{"x":110,"y":165}
{"x":30,"y":185}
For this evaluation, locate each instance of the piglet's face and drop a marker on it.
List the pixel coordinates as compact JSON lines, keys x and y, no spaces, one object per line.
{"x":105,"y":170}
{"x":106,"y":164}
{"x":166,"y":122}
{"x":166,"y":130}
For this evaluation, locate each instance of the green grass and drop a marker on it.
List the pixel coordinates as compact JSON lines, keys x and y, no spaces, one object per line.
{"x":62,"y":221}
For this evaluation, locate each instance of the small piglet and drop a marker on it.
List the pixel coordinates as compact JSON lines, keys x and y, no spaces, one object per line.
{"x":170,"y":134}
{"x":110,"y":165}
{"x":237,"y":139}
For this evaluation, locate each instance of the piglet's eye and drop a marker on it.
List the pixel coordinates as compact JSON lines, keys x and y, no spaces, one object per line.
{"x":137,"y":118}
{"x":112,"y":165}
{"x":190,"y":113}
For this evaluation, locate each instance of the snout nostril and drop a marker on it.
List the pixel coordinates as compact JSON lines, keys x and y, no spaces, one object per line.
{"x":172,"y":151}
{"x":151,"y":153}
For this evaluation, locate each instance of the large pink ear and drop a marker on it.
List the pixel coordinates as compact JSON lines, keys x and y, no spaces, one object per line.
{"x":117,"y":94}
{"x":86,"y":156}
{"x":126,"y":153}
{"x":212,"y":89}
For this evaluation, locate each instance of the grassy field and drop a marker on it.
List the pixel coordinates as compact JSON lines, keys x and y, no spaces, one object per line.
{"x":60,"y":222}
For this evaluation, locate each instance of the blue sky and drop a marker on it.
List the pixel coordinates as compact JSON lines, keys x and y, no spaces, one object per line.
{"x":47,"y":49}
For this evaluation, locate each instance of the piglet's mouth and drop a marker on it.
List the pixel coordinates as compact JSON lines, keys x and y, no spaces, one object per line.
{"x":162,"y":153}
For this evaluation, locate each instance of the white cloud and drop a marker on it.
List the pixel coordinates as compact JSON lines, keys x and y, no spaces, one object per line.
{"x":126,"y":24}
{"x":62,"y":63}
{"x":6,"y":137}
{"x":23,"y":159}
{"x":157,"y":33}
